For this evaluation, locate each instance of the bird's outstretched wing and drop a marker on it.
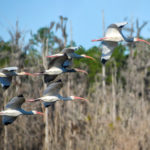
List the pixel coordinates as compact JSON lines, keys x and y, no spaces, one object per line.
{"x":115,"y":30}
{"x":9,"y":69}
{"x":53,"y":88}
{"x":49,"y":78}
{"x":68,"y":63}
{"x":57,"y":61}
{"x":69,"y":50}
{"x":47,"y":104}
{"x":107,"y":49}
{"x":6,"y":120}
{"x":5,"y":82}
{"x":63,"y":60}
{"x":16,"y":102}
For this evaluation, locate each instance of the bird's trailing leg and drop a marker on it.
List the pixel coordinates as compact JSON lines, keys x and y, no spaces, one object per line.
{"x":33,"y":100}
{"x":72,"y":98}
{"x":26,"y":73}
{"x":38,"y":73}
{"x":80,"y":70}
{"x":101,"y":39}
{"x":40,"y":113}
{"x":55,"y":55}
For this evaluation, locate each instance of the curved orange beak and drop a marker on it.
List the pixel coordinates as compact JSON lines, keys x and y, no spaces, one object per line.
{"x":89,"y":57}
{"x":137,"y":39}
{"x":29,"y":74}
{"x":81,"y":98}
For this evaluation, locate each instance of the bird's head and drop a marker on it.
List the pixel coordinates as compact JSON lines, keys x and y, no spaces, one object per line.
{"x":85,"y":56}
{"x":76,"y":97}
{"x":120,"y":24}
{"x":37,"y":113}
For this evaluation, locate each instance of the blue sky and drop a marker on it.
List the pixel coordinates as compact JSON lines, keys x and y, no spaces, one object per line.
{"x":85,"y":15}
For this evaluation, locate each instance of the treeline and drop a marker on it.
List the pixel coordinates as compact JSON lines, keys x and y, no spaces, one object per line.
{"x":115,"y":119}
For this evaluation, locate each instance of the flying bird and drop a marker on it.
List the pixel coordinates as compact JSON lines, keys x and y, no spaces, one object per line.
{"x":6,"y":75}
{"x":68,"y":54}
{"x":111,"y":38}
{"x":51,"y":94}
{"x":61,"y":63}
{"x":13,"y":110}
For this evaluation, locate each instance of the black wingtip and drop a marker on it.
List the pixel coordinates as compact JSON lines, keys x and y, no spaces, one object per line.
{"x":21,"y":95}
{"x":103,"y":61}
{"x":49,"y":78}
{"x":59,"y":80}
{"x":7,"y":123}
{"x":48,"y":104}
{"x":5,"y":87}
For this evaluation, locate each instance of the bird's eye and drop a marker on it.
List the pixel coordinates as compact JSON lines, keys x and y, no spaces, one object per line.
{"x":121,"y":27}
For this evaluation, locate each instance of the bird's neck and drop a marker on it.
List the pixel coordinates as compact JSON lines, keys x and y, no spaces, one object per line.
{"x":127,"y":39}
{"x":26,"y":112}
{"x":74,"y":55}
{"x":68,"y":70}
{"x":65,"y":98}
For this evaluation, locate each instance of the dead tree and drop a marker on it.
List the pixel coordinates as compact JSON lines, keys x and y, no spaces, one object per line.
{"x":62,"y":25}
{"x":103,"y":66}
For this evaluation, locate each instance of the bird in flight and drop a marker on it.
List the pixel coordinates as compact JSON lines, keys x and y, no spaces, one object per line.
{"x":13,"y":110}
{"x":51,"y":94}
{"x":112,"y":36}
{"x":61,"y":63}
{"x":6,"y":75}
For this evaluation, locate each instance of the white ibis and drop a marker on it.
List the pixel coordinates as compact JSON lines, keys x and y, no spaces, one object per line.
{"x":6,"y":75}
{"x":51,"y":94}
{"x":70,"y":53}
{"x":60,"y":63}
{"x":13,"y":110}
{"x":112,"y":36}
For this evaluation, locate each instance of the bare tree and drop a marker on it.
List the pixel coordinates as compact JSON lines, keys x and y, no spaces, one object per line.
{"x":62,"y":26}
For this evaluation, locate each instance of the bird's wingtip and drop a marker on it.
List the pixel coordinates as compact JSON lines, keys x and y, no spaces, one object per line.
{"x":20,"y":95}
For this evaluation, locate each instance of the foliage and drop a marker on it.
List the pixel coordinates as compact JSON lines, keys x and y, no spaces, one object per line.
{"x":5,"y":51}
{"x":118,"y":119}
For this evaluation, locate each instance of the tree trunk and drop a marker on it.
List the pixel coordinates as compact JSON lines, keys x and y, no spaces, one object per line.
{"x":46,"y":140}
{"x":114,"y":95}
{"x":5,"y":127}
